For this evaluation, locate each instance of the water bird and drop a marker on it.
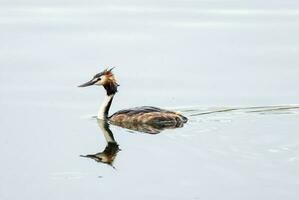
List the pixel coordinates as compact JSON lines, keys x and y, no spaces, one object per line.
{"x":138,"y":115}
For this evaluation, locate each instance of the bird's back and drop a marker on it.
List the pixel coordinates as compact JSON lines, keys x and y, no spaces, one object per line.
{"x":148,"y":115}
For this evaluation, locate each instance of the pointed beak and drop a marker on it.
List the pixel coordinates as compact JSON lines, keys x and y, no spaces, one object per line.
{"x":87,"y":156}
{"x":89,"y":83}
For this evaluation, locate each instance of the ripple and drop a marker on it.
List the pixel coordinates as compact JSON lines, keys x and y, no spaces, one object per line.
{"x":273,"y":109}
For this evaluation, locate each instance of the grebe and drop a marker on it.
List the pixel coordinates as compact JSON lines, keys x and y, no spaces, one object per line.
{"x":138,"y":115}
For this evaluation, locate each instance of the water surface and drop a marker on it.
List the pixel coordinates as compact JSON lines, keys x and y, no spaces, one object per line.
{"x":230,"y":67}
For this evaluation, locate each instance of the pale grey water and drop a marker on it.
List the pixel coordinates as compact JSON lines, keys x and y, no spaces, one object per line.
{"x":197,"y":57}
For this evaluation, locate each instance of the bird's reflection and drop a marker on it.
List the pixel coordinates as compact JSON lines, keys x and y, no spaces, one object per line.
{"x":109,"y":154}
{"x":112,"y":148}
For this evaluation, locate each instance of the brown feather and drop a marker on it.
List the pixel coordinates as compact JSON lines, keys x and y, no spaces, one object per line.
{"x":151,"y":122}
{"x":148,"y":118}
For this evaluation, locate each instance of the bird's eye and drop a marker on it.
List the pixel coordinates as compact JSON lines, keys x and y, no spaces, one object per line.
{"x":96,"y":80}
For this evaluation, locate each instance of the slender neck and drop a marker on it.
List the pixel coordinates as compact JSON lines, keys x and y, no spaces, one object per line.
{"x":105,"y":106}
{"x":111,"y":89}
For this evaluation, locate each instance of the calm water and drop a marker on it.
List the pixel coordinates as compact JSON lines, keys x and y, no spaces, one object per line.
{"x":231,"y":67}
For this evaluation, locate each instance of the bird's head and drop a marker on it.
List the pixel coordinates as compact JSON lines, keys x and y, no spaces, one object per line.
{"x":106,"y":79}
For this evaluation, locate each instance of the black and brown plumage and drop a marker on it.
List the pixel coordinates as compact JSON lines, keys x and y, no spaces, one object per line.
{"x":139,"y":115}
